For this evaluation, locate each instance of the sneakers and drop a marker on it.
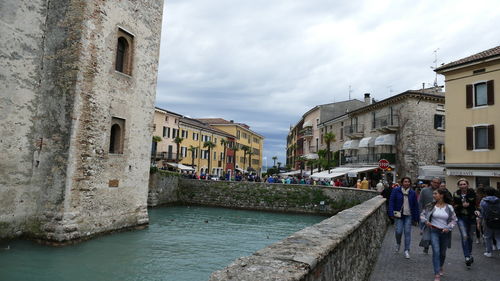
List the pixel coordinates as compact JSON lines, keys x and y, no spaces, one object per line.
{"x":396,"y":249}
{"x":488,"y":254}
{"x":469,"y":260}
{"x":407,"y":254}
{"x":437,"y":277}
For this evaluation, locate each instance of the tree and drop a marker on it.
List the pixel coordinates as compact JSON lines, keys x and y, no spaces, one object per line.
{"x":250,"y":153}
{"x":235,"y":149}
{"x":301,"y":160}
{"x":328,"y":138}
{"x":274,"y":160}
{"x":192,"y":149}
{"x":224,"y":143}
{"x":279,"y":165}
{"x":245,"y":149}
{"x":311,"y":163}
{"x":209,"y":145}
{"x":178,"y":140}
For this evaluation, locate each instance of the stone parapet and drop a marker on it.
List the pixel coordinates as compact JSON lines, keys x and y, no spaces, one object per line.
{"x":343,"y":247}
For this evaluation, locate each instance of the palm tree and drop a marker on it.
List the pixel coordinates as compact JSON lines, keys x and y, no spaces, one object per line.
{"x":311,"y":163}
{"x":224,"y":143}
{"x":209,"y":145}
{"x":274,"y":160}
{"x":245,"y":149}
{"x":178,"y":140}
{"x":235,"y":149}
{"x":301,"y":160}
{"x":328,"y":138}
{"x":192,"y":149}
{"x":279,"y":166}
{"x":250,"y":153}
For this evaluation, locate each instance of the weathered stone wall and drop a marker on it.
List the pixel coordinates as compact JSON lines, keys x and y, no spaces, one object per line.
{"x":343,"y":247}
{"x":270,"y":197}
{"x":163,"y":189}
{"x":60,"y":91}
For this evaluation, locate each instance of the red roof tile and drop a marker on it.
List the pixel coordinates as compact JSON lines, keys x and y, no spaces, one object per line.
{"x":476,"y":57}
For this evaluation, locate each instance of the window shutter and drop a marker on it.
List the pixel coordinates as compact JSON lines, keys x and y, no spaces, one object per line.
{"x":491,"y":137}
{"x":468,"y":96}
{"x":490,"y":92}
{"x":436,"y":121}
{"x":470,"y":138}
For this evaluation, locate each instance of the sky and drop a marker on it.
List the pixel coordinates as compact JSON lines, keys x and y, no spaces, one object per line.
{"x":266,"y":62}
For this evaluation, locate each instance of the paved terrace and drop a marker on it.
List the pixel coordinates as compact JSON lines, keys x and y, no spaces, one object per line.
{"x":393,"y":266}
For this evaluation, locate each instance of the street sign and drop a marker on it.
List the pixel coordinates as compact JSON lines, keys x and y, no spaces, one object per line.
{"x":383,"y":164}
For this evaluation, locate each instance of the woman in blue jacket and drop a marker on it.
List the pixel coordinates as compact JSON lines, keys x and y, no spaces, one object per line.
{"x":403,"y":208}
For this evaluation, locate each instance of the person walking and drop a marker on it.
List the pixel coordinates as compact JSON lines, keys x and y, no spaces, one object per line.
{"x":464,"y":202}
{"x":490,"y":213}
{"x":439,"y":218}
{"x":426,"y":198}
{"x":403,"y":208}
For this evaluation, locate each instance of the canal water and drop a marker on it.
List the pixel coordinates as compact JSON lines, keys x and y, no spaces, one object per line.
{"x":180,"y":244}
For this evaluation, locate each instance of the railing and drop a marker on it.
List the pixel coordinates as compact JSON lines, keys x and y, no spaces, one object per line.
{"x":169,"y":156}
{"x":386,"y":121}
{"x":354,"y":129}
{"x":369,"y":158}
{"x":307,"y":132}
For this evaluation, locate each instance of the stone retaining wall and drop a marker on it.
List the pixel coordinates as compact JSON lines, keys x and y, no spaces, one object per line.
{"x":270,"y":197}
{"x":343,"y":247}
{"x":163,"y":188}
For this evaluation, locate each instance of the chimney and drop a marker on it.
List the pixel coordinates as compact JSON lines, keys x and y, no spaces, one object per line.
{"x":368,"y":100}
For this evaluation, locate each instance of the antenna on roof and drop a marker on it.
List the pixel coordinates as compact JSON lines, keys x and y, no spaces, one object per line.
{"x":350,"y":91}
{"x":390,"y":90}
{"x":435,"y":66}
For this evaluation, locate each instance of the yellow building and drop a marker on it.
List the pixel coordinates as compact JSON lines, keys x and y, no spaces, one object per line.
{"x":473,"y":119}
{"x":243,"y":137}
{"x":194,"y":134}
{"x":166,"y":126}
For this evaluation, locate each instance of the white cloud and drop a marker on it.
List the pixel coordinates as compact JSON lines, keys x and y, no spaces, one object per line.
{"x":267,"y":62}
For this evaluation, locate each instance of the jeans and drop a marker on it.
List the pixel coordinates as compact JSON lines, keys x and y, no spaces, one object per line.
{"x":488,"y":237}
{"x":439,"y":242}
{"x":465,"y":226}
{"x":403,"y":224}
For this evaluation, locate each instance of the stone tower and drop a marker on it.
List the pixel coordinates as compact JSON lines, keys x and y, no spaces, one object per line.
{"x":77,"y":91}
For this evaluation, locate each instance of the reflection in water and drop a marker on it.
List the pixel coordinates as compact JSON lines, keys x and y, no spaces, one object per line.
{"x":181,"y":243}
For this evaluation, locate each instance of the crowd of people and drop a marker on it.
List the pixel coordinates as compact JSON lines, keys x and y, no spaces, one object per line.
{"x":437,"y":212}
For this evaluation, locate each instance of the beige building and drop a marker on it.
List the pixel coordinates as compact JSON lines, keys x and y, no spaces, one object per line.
{"x":473,"y":118}
{"x":166,"y":126}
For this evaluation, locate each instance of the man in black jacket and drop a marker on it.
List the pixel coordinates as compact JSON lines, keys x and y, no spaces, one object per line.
{"x":464,"y":202}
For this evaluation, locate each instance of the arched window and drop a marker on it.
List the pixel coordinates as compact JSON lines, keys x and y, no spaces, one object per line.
{"x":122,"y":55}
{"x":115,"y":139}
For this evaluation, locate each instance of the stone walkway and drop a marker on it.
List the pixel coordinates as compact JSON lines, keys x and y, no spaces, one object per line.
{"x":393,"y":266}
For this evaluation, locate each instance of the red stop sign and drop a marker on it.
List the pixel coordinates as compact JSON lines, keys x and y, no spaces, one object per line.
{"x":383,"y":164}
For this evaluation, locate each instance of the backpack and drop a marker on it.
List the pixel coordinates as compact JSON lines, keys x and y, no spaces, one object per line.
{"x":492,"y":215}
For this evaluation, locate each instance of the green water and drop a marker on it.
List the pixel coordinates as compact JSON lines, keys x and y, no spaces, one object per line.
{"x":181,"y":243}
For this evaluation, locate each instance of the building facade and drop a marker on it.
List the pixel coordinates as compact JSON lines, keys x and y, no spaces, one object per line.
{"x":243,"y":137}
{"x":472,"y":108}
{"x":165,"y":126}
{"x":77,"y":105}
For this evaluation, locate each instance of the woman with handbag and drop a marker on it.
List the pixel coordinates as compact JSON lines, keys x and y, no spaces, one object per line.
{"x":403,"y":208}
{"x":439,"y":218}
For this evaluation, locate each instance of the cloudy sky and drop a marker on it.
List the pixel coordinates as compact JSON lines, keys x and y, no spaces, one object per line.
{"x":266,"y":62}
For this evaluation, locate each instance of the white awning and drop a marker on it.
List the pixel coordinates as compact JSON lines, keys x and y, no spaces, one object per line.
{"x":291,"y":173}
{"x":389,"y":139}
{"x":310,"y":156}
{"x":307,"y":123}
{"x":180,"y":166}
{"x":367,"y":142}
{"x":351,"y":144}
{"x":353,"y":173}
{"x":430,"y":172}
{"x":337,"y":172}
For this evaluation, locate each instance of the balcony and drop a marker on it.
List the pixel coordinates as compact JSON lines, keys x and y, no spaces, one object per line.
{"x":354,"y":131}
{"x":165,"y":156}
{"x":369,"y":158}
{"x":306,"y":132}
{"x":387,"y":123}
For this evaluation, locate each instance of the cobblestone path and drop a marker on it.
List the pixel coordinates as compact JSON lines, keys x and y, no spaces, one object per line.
{"x":393,"y":266}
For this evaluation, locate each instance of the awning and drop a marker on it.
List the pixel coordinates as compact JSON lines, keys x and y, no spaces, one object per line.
{"x":180,"y":166}
{"x":291,"y":173}
{"x":351,"y":144}
{"x":307,"y":123}
{"x":311,"y":156}
{"x":430,"y":172}
{"x":353,"y":173}
{"x":367,"y":142}
{"x":337,"y":172}
{"x":389,"y":139}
